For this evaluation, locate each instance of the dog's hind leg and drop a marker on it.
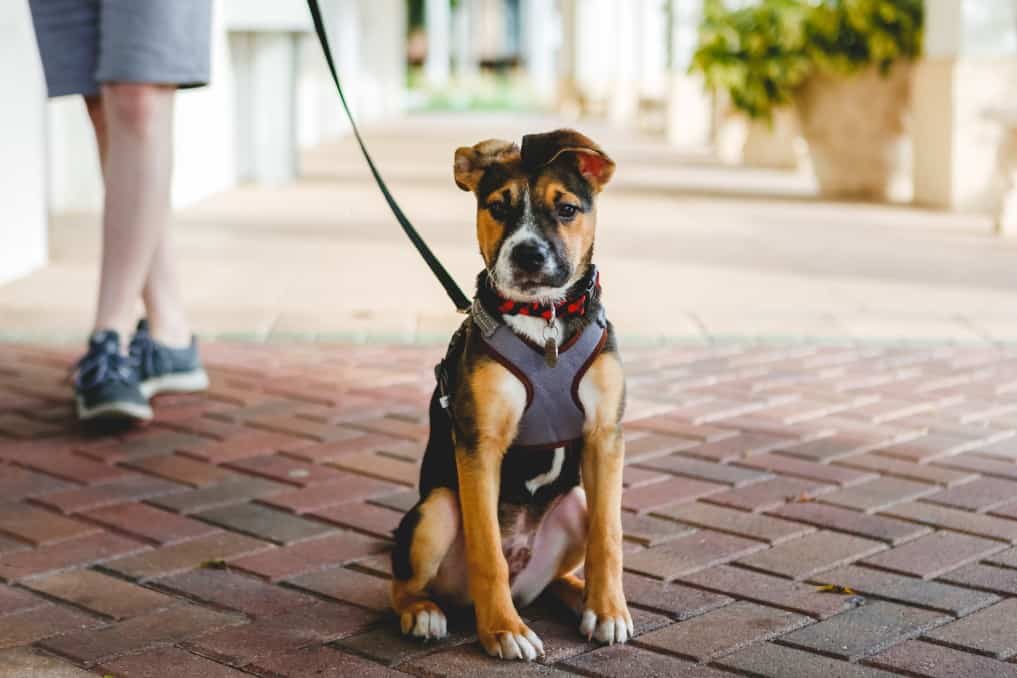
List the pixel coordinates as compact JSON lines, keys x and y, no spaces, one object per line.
{"x":423,"y":538}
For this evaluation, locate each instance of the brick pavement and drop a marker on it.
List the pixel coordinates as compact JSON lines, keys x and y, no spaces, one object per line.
{"x":789,"y":511}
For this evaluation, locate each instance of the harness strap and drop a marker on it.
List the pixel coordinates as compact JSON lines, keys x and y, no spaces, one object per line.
{"x":453,"y":290}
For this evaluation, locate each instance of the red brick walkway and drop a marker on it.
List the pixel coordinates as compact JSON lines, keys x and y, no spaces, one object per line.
{"x":245,"y":532}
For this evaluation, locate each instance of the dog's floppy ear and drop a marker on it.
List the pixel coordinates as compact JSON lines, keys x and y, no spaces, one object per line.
{"x":471,"y":162}
{"x":591,"y":161}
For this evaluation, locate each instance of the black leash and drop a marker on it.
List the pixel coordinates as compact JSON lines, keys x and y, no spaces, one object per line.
{"x":451,"y":288}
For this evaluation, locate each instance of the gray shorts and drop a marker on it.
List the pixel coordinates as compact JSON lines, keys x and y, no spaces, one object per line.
{"x":87,"y":42}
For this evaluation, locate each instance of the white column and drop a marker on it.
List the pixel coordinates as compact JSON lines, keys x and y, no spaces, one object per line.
{"x":969,"y":69}
{"x":438,"y":24}
{"x":538,"y":45}
{"x":690,"y":107}
{"x":383,"y":58}
{"x":624,"y":102}
{"x":22,"y":147}
{"x":462,"y":41}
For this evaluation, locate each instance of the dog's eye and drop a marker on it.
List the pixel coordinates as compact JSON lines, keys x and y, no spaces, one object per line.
{"x":498,"y":210}
{"x":567,"y":212}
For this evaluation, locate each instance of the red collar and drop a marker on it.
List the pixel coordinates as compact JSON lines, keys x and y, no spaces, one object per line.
{"x":566,"y":308}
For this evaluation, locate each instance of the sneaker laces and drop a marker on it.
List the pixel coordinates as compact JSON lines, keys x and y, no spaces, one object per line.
{"x":146,"y":355}
{"x":99,"y":367}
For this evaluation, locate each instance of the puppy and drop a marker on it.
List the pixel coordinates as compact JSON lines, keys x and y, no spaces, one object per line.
{"x":522,"y":475}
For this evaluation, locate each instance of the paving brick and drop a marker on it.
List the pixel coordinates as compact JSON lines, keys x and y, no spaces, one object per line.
{"x":64,"y":555}
{"x":829,"y":448}
{"x":777,"y":661}
{"x":401,"y":501}
{"x":934,"y":554}
{"x":878,"y":495}
{"x":722,"y":631}
{"x":244,"y":446}
{"x":381,"y":466}
{"x":351,"y":487}
{"x":957,"y":520}
{"x":670,"y":425}
{"x":154,"y":664}
{"x":17,"y":484}
{"x":621,"y":661}
{"x":181,"y":469}
{"x":234,"y":591}
{"x":828,"y":517}
{"x":15,"y":600}
{"x":347,"y":586}
{"x":978,"y":495}
{"x":975,"y":464}
{"x":321,"y":662}
{"x":686,"y":555}
{"x":650,"y":531}
{"x":989,"y":631}
{"x":635,"y":476}
{"x":186,"y":555}
{"x":150,"y":523}
{"x":769,"y":494}
{"x":672,"y":599}
{"x":74,"y":467}
{"x":865,"y":630}
{"x":103,"y":594}
{"x":917,"y":658}
{"x":706,"y":470}
{"x":137,"y":634}
{"x":265,"y":523}
{"x":933,"y":446}
{"x":809,"y":470}
{"x":308,"y":624}
{"x":386,"y":645}
{"x":38,"y":526}
{"x":27,"y":661}
{"x":286,"y":470}
{"x":925,"y":473}
{"x":669,"y":492}
{"x":1006,"y":558}
{"x":813,"y":553}
{"x":907,"y":590}
{"x":374,"y":520}
{"x":739,"y":523}
{"x":233,"y":491}
{"x":741,"y":446}
{"x":985,"y":578}
{"x":34,"y":625}
{"x":119,"y":491}
{"x":139,"y":445}
{"x":770,"y":590}
{"x":369,"y":442}
{"x":309,"y":556}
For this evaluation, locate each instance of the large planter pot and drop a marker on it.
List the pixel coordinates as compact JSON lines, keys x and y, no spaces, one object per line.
{"x":758,"y":143}
{"x":854,"y":126}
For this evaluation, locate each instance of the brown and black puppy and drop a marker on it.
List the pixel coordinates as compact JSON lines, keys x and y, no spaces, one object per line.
{"x":522,"y":476}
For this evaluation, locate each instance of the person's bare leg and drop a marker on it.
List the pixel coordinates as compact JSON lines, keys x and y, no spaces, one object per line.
{"x":93,"y":104}
{"x":164,"y":304}
{"x":138,"y":162}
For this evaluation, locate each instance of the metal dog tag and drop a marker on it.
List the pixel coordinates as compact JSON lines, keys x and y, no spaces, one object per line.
{"x":551,"y":352}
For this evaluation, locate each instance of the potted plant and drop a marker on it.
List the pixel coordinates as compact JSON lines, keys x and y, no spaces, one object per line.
{"x":843,"y":65}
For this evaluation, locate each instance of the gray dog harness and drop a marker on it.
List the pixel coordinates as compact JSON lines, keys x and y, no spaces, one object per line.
{"x":553,"y":417}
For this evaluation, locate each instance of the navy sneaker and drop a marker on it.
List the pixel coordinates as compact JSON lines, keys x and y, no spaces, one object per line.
{"x":106,"y":383}
{"x":162,"y":369}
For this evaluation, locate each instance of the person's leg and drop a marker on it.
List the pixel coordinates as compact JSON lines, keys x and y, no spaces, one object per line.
{"x":93,"y":104}
{"x":137,"y":167}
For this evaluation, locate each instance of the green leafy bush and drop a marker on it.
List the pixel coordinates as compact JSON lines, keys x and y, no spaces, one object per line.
{"x":761,"y":54}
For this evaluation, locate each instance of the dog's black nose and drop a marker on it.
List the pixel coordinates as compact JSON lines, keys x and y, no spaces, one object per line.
{"x":529,"y":256}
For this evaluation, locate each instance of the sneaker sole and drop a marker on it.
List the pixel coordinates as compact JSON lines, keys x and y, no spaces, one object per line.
{"x":114,"y":410}
{"x":181,"y":382}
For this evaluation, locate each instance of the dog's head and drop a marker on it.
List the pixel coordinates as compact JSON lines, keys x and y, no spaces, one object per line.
{"x":536,"y":209}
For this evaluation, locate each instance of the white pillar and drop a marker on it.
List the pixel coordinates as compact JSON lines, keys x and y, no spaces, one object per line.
{"x":462,"y":41}
{"x":969,"y":69}
{"x":438,"y":24}
{"x":624,"y":102}
{"x":382,"y":81}
{"x":690,"y":106}
{"x":538,"y":45}
{"x":22,"y":147}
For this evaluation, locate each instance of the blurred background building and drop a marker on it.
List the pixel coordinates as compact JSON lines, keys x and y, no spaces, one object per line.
{"x":621,"y":63}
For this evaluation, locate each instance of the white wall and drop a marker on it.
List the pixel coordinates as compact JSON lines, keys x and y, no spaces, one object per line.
{"x":22,"y":147}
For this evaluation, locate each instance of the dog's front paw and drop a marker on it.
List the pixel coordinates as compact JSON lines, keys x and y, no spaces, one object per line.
{"x":511,"y":639}
{"x":425,"y":620}
{"x":606,"y":619}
